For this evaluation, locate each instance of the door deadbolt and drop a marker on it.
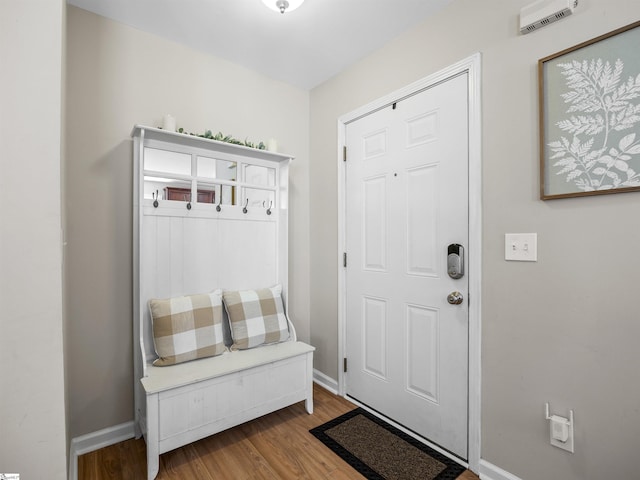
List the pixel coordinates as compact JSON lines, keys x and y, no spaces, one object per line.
{"x":455,"y":261}
{"x":455,"y":298}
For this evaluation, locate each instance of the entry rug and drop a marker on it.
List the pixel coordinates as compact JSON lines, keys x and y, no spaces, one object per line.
{"x":379,"y":451}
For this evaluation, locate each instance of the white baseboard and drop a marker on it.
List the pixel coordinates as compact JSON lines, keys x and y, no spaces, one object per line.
{"x":489,"y":471}
{"x":325,"y":381}
{"x":95,"y":441}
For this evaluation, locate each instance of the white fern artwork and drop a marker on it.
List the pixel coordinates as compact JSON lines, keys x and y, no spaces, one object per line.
{"x":599,"y":147}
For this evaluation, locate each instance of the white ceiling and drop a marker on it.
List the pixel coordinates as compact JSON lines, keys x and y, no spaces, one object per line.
{"x":303,"y":48}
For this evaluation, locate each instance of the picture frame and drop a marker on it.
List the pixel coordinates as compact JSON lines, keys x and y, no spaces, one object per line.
{"x":589,"y":102}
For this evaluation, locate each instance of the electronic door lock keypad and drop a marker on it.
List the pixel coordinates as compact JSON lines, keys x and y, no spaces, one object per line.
{"x":455,"y":261}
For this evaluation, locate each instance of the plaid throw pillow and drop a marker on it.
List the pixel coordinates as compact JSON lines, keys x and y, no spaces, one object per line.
{"x":256,"y":317}
{"x":186,"y":328}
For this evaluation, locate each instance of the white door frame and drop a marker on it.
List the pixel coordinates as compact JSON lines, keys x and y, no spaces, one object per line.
{"x":471,"y":65}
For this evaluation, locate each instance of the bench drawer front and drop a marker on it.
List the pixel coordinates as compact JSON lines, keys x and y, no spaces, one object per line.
{"x":225,"y":401}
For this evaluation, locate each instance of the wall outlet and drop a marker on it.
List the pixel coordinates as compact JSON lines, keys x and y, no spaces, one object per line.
{"x":521,"y":247}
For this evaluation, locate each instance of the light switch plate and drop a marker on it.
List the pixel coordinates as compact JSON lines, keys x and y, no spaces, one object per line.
{"x":521,"y":247}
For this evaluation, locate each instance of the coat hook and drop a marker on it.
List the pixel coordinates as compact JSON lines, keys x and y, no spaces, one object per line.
{"x":244,"y":210}
{"x":189,"y":203}
{"x":269,"y":209}
{"x":155,"y":197}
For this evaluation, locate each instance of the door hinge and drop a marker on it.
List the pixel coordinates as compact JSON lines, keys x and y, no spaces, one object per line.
{"x":344,"y":153}
{"x":344,"y":259}
{"x":344,"y":364}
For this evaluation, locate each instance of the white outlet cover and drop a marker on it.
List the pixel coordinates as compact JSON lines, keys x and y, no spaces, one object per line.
{"x":521,"y":247}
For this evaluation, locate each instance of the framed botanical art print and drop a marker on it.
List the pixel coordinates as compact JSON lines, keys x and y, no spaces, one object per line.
{"x":590,"y":117}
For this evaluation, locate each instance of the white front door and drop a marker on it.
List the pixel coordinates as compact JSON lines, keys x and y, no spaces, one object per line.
{"x":406,"y":202}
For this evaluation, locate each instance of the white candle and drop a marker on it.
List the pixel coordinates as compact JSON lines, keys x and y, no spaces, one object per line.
{"x":272,"y":145}
{"x":169,"y":123}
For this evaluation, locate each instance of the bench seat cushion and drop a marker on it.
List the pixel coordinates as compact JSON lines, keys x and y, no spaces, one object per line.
{"x":165,"y":378}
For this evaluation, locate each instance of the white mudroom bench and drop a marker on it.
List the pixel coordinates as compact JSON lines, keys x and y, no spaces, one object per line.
{"x":192,"y":400}
{"x":209,"y":215}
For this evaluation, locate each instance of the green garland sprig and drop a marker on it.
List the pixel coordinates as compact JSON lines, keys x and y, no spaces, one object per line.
{"x":220,"y":137}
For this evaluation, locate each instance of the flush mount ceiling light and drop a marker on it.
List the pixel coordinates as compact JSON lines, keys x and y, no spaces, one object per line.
{"x":283,"y":5}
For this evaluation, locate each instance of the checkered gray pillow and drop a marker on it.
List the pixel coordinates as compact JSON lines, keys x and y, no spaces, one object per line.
{"x":256,"y":317}
{"x":186,"y":328}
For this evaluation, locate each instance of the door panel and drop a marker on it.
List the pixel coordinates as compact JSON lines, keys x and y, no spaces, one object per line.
{"x":374,"y":337}
{"x":422,"y":209}
{"x":375,"y":224}
{"x":406,"y":201}
{"x":422,"y":367}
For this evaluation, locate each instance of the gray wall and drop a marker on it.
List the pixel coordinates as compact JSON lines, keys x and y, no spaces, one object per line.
{"x":563,"y":330}
{"x":32,"y":384}
{"x":117,"y":77}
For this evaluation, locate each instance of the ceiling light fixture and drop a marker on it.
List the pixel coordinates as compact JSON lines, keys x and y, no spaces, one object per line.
{"x":283,"y":5}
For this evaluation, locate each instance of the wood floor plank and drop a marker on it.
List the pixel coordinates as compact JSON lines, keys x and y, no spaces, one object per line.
{"x":230,"y":455}
{"x":293,"y":453}
{"x":182,"y":463}
{"x":274,"y":447}
{"x":88,"y":465}
{"x":133,"y":458}
{"x":109,"y":464}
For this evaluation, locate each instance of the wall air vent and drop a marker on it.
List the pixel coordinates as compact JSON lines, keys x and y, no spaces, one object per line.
{"x":543,"y":12}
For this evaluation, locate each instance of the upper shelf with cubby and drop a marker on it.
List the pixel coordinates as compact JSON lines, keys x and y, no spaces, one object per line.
{"x":181,"y":170}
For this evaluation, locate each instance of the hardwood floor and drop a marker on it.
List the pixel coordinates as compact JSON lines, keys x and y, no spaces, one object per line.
{"x":276,"y":446}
